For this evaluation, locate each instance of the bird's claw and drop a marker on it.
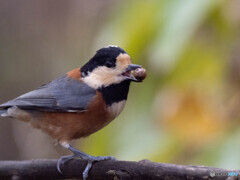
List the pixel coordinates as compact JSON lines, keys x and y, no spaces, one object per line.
{"x":63,"y":160}
{"x":89,"y":158}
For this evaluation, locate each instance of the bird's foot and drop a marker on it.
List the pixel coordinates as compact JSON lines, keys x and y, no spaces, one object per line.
{"x":92,"y":159}
{"x":82,"y":155}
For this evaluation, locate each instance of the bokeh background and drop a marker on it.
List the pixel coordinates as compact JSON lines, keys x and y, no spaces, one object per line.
{"x":187,"y":111}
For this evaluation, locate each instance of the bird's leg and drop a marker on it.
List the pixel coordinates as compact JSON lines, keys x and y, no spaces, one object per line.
{"x":82,"y":155}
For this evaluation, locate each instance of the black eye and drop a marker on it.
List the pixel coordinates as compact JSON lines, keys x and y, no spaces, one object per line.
{"x":109,"y":64}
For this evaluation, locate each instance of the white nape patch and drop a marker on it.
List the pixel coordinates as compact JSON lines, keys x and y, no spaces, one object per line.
{"x":111,"y":46}
{"x":116,"y":108}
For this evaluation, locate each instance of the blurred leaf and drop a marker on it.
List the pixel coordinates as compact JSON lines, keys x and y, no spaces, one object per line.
{"x":182,"y":19}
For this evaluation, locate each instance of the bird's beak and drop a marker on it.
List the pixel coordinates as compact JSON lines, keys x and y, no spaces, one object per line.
{"x":128,"y":73}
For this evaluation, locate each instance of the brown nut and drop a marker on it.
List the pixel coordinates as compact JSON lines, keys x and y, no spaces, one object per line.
{"x":140,"y":74}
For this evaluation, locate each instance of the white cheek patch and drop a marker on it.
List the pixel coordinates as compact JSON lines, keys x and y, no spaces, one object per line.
{"x":116,"y":108}
{"x":103,"y":76}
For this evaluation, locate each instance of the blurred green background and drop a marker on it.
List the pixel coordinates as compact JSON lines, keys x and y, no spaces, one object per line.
{"x":185,"y":112}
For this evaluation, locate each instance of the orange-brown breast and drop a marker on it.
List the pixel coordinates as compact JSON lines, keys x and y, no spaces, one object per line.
{"x":66,"y":126}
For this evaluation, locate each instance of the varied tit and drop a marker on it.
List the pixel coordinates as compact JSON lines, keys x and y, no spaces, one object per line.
{"x":80,"y":102}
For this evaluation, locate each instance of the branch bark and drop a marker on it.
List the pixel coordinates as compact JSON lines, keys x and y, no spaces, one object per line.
{"x":115,"y":170}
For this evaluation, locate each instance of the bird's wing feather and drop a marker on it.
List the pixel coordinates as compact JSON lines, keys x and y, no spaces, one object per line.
{"x":63,"y":94}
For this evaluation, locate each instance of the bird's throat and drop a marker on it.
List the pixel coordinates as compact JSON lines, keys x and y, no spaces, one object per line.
{"x":115,"y":93}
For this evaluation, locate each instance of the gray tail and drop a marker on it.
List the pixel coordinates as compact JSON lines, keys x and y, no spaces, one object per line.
{"x":3,"y":112}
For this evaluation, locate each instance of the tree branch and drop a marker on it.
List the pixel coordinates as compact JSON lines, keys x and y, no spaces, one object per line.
{"x":115,"y":170}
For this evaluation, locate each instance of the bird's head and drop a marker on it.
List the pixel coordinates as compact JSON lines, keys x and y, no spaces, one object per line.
{"x":110,"y":65}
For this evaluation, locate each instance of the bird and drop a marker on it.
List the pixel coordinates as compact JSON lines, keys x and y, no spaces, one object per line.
{"x":80,"y":102}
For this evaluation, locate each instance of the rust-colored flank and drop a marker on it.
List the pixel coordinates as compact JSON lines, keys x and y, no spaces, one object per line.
{"x":66,"y":126}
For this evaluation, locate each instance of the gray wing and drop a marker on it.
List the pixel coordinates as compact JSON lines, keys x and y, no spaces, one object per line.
{"x":63,"y":94}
